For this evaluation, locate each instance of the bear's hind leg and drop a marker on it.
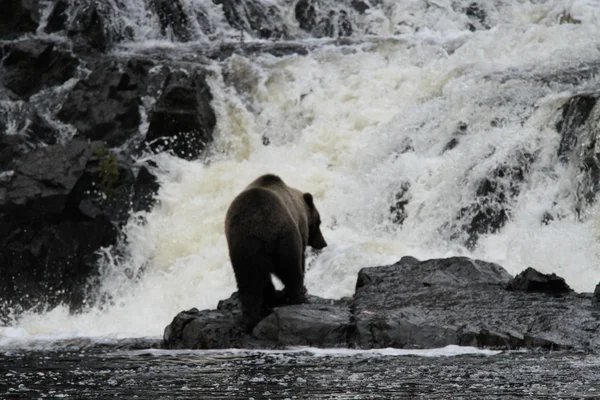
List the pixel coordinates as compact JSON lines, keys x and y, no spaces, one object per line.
{"x":290,"y":269}
{"x":251,"y":299}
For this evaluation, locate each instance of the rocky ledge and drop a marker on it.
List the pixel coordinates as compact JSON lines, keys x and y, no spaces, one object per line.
{"x":414,"y":304}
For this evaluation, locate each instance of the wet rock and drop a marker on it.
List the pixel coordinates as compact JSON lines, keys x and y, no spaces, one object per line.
{"x":575,"y":114}
{"x":29,"y":131}
{"x":18,"y":17}
{"x":306,"y":14}
{"x":493,"y":194}
{"x":106,"y":105}
{"x":44,"y":179}
{"x":105,"y":189}
{"x":398,"y":208}
{"x":57,"y":20}
{"x":477,"y":16}
{"x":411,"y":304}
{"x":305,"y":325}
{"x":596,"y":297}
{"x":258,"y":18}
{"x":531,"y":281}
{"x":464,"y":302}
{"x":89,"y":29}
{"x":144,"y":189}
{"x":183,"y":119}
{"x":461,"y":130}
{"x":208,"y":329}
{"x":36,"y":58}
{"x":579,"y":146}
{"x":333,"y":22}
{"x":322,"y":323}
{"x":172,"y":17}
{"x":61,"y":205}
{"x":45,"y":264}
{"x":360,"y":6}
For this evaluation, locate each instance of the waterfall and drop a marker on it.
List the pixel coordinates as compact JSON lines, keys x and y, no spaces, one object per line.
{"x":424,"y":128}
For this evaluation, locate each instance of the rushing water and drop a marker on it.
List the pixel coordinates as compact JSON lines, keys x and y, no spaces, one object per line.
{"x":357,"y":122}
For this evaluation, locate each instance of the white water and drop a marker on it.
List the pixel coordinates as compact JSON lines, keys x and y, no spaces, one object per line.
{"x":337,"y":121}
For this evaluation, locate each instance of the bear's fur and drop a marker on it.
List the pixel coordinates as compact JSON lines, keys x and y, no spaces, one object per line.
{"x":268,"y":227}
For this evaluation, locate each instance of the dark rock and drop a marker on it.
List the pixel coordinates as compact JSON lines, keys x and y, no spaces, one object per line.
{"x":464,"y":302}
{"x":255,"y":17}
{"x":39,"y":59}
{"x":145,"y":188}
{"x":322,"y":23}
{"x":172,"y":16}
{"x":88,"y":29}
{"x":532,"y":281}
{"x":104,"y":189}
{"x":491,"y":209}
{"x":18,"y":17}
{"x":61,"y":205}
{"x":411,"y":304}
{"x":105,"y":105}
{"x":451,"y":144}
{"x":478,"y":17}
{"x":183,"y":119}
{"x":31,"y":132}
{"x":305,"y":325}
{"x":306,"y":14}
{"x":360,"y":6}
{"x":596,"y":298}
{"x":277,"y":49}
{"x":44,"y":264}
{"x":398,"y":208}
{"x":579,"y":146}
{"x":57,"y":20}
{"x":461,"y":130}
{"x":208,"y":329}
{"x":44,"y":178}
{"x":575,"y":114}
{"x":322,"y":323}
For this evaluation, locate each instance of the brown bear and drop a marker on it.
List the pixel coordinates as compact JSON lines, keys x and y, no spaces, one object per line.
{"x":268,"y":226}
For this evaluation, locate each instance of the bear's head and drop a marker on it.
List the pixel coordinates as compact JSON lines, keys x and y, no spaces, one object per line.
{"x":315,"y":237}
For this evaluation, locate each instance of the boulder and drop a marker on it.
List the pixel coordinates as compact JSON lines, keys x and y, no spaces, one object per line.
{"x":58,"y":18}
{"x":182,"y":120}
{"x":321,"y":22}
{"x":44,"y":179}
{"x":172,"y":17}
{"x":208,"y":329}
{"x":464,"y":302}
{"x":579,"y":147}
{"x":411,"y":304}
{"x":258,"y":18}
{"x":60,"y":206}
{"x":88,"y":29}
{"x":31,"y":131}
{"x":106,"y":105}
{"x":493,"y":196}
{"x":315,"y":325}
{"x":532,"y":281}
{"x":18,"y":17}
{"x":36,"y":58}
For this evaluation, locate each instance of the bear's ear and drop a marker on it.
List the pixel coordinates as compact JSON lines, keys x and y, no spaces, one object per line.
{"x":308,"y":199}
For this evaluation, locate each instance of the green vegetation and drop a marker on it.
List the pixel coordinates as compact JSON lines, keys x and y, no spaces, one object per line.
{"x":109,"y":169}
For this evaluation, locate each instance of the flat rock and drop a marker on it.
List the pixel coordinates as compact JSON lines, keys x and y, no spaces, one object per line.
{"x":313,"y":325}
{"x":411,"y":304}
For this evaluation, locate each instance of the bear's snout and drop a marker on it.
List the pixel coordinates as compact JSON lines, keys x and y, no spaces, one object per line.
{"x":318,"y":241}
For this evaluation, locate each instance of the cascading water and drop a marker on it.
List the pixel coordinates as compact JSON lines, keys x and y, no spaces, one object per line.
{"x":430,"y":131}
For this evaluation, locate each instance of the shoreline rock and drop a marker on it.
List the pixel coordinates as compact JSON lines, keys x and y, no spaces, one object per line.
{"x":412,"y":304}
